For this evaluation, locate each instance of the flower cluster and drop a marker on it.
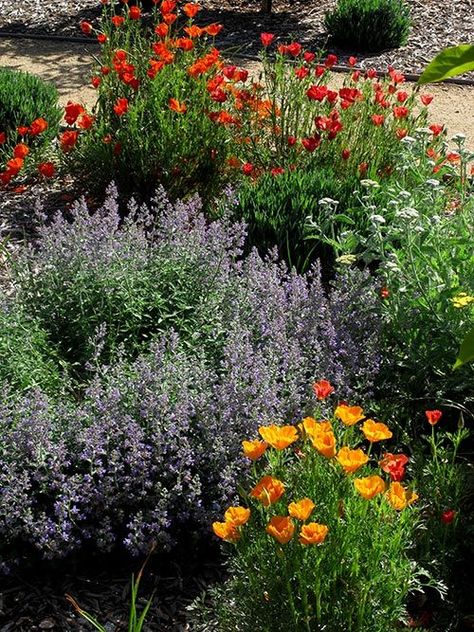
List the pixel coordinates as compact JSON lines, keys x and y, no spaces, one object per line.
{"x":321,"y":436}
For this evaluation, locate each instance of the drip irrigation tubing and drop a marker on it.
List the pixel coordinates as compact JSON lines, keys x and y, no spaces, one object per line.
{"x":70,"y":39}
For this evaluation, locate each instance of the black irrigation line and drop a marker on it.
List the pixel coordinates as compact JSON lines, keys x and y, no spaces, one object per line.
{"x":412,"y":77}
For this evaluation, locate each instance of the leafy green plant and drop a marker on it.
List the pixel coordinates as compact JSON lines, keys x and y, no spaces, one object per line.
{"x":277,"y":208}
{"x":450,"y":62}
{"x":322,"y":540}
{"x":466,"y":351}
{"x":369,"y":25}
{"x":27,"y":357}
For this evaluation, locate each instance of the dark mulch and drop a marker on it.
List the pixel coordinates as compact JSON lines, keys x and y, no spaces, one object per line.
{"x":35,"y":598}
{"x":436,"y":24}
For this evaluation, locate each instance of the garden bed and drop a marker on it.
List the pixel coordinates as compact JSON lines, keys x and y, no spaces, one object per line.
{"x":436,"y":24}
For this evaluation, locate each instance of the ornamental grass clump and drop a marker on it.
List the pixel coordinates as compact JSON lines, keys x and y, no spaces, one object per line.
{"x":173,"y":347}
{"x":323,"y":531}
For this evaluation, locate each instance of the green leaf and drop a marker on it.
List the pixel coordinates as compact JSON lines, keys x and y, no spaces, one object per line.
{"x":452,"y":61}
{"x":466,"y":352}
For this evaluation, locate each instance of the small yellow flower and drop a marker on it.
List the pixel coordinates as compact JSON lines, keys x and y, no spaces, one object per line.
{"x":462,"y":300}
{"x":375,"y":431}
{"x":369,"y":486}
{"x":302,"y":509}
{"x":399,"y":497}
{"x":226,"y":531}
{"x":351,"y":460}
{"x":279,"y":437}
{"x":313,"y":533}
{"x":237,"y":516}
{"x":254,"y":449}
{"x":349,"y":415}
{"x":281,"y":528}
{"x":310,"y":427}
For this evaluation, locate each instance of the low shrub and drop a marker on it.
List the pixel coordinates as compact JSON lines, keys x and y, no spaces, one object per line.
{"x":369,"y":25}
{"x":27,"y":357}
{"x":29,"y":119}
{"x":324,"y":534}
{"x":277,"y":209}
{"x":151,"y":444}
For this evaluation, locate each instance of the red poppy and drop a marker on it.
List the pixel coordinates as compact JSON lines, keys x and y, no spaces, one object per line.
{"x":426,"y":99}
{"x":394,"y":465}
{"x":47,"y":169}
{"x":277,"y":171}
{"x":352,"y":61}
{"x":247,"y":168}
{"x":433,"y":416}
{"x":23,"y":130}
{"x":21,"y":150}
{"x":363,"y":168}
{"x":436,"y":129}
{"x":169,"y":18}
{"x":447,"y":517}
{"x":355,"y":75}
{"x":401,"y":132}
{"x":15,"y":165}
{"x":68,"y":139}
{"x":117,"y":20}
{"x":241,"y":75}
{"x":73,"y":110}
{"x":371,"y":73}
{"x":266,"y":39}
{"x":309,"y":57}
{"x":3,"y":138}
{"x":346,"y":154}
{"x":291,"y":140}
{"x":191,"y":9}
{"x":311,"y":143}
{"x":95,"y":81}
{"x":323,"y":389}
{"x":317,"y":93}
{"x":86,"y":121}
{"x":218,"y":95}
{"x":378,"y":119}
{"x":101,"y":38}
{"x":168,"y":6}
{"x":302,"y":72}
{"x":400,"y":112}
{"x":134,"y":13}
{"x":384,"y":292}
{"x":193,"y":31}
{"x":213,"y":29}
{"x":86,"y":27}
{"x":331,"y":60}
{"x":121,"y":106}
{"x":162,"y":29}
{"x":319,"y":70}
{"x":402,"y":96}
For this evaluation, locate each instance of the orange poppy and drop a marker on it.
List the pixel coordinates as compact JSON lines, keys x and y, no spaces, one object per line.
{"x":279,"y":437}
{"x":351,"y":460}
{"x":237,"y":516}
{"x":369,"y":486}
{"x":325,"y":443}
{"x":374,"y":431}
{"x":226,"y":531}
{"x":399,"y":497}
{"x":302,"y":509}
{"x":313,"y":533}
{"x":191,"y":9}
{"x":349,"y":415}
{"x":176,"y":106}
{"x":268,"y":490}
{"x":253,"y":450}
{"x":281,"y":528}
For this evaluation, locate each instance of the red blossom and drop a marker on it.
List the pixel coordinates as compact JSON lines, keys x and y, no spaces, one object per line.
{"x":247,"y":168}
{"x":436,"y":129}
{"x":331,"y":60}
{"x":311,"y":143}
{"x":400,"y":112}
{"x":426,"y":99}
{"x":134,"y":13}
{"x":433,"y":416}
{"x":447,"y":517}
{"x":323,"y":389}
{"x":121,"y":106}
{"x":378,"y":119}
{"x":86,"y":27}
{"x":345,"y":154}
{"x":352,"y":61}
{"x":47,"y":169}
{"x":317,"y":93}
{"x":266,"y":39}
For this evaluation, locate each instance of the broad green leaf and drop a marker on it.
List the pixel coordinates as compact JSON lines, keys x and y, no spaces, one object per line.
{"x":452,"y":61}
{"x":466,"y":352}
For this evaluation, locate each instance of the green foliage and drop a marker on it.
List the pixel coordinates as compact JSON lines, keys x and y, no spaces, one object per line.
{"x":277,"y":208}
{"x":450,"y":62}
{"x":466,"y":352}
{"x":356,"y":579}
{"x":24,"y":98}
{"x":369,"y":25}
{"x":27,"y":357}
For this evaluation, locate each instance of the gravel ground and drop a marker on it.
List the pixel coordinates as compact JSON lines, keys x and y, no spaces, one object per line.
{"x":436,"y":24}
